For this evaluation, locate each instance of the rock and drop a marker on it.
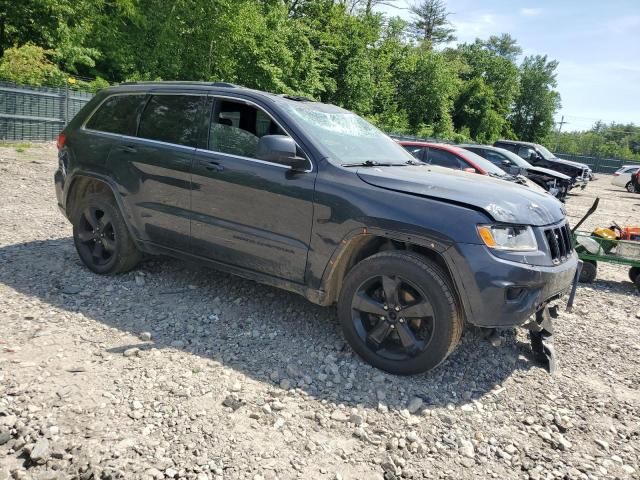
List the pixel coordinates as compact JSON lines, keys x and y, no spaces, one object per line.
{"x":468,"y":462}
{"x":71,"y":289}
{"x":356,"y":419}
{"x":140,"y":280}
{"x":178,"y":344}
{"x":277,"y":406}
{"x":629,"y":470}
{"x":466,"y":448}
{"x":614,"y":348}
{"x":602,"y":444}
{"x":40,"y":452}
{"x":136,"y":405}
{"x":5,"y":436}
{"x":236,"y":387}
{"x":414,"y":405}
{"x":285,"y":384}
{"x":145,"y":336}
{"x":339,"y":416}
{"x":232,"y":402}
{"x":171,"y":472}
{"x":563,"y":443}
{"x":412,"y":437}
{"x":131,"y":352}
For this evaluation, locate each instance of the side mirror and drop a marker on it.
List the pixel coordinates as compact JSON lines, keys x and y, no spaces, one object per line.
{"x":533,"y":157}
{"x":281,"y":149}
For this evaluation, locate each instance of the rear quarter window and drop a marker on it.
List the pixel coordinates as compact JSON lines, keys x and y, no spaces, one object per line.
{"x":117,"y":114}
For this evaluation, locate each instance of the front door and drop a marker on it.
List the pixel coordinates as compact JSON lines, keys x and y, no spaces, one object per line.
{"x":154,"y":168}
{"x":247,"y":212}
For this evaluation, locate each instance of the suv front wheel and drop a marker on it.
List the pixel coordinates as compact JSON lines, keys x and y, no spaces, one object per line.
{"x":101,"y":236}
{"x":398,"y":312}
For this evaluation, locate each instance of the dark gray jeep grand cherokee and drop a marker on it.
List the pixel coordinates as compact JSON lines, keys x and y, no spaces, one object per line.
{"x":313,"y":199}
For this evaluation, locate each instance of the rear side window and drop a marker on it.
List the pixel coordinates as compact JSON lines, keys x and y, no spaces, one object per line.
{"x":117,"y":114}
{"x":172,"y":119}
{"x":444,"y":159}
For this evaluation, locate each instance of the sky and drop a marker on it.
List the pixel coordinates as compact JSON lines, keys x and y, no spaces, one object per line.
{"x":597,"y":45}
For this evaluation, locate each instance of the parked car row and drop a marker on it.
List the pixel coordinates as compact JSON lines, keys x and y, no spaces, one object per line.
{"x":313,"y":199}
{"x":493,"y":161}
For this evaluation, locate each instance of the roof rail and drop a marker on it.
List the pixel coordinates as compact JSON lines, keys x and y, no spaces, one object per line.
{"x":181,"y":82}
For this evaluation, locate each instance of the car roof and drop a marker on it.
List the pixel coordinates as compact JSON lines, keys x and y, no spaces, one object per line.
{"x":217,"y":88}
{"x":517,"y":142}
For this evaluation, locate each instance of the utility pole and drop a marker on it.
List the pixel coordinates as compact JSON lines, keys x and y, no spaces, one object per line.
{"x":560,"y":124}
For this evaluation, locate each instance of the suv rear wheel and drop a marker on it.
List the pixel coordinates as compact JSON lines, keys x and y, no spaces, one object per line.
{"x":398,"y":312}
{"x":101,"y":236}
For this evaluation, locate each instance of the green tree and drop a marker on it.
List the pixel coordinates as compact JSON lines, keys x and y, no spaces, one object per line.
{"x":432,"y":26}
{"x":537,"y":101}
{"x":30,"y":65}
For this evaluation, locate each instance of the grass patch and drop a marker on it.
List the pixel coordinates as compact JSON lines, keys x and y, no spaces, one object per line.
{"x":19,"y":146}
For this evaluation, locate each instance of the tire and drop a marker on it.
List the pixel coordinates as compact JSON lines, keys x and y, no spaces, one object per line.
{"x":418,"y":287}
{"x":101,"y":237}
{"x":630,"y":187}
{"x":589,"y":271}
{"x":633,"y":274}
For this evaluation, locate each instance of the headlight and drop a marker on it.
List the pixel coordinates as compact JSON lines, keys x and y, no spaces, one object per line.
{"x":502,"y":237}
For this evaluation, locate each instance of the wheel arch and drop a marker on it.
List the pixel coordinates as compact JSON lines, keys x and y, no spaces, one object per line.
{"x":363,"y":245}
{"x":84,"y":183}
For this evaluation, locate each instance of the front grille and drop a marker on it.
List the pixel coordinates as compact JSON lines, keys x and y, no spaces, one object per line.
{"x":559,"y":241}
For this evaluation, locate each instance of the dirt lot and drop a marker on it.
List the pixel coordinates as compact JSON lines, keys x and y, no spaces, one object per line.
{"x":173,"y":371}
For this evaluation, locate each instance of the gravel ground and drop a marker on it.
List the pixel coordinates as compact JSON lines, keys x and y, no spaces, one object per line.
{"x":174,"y":371}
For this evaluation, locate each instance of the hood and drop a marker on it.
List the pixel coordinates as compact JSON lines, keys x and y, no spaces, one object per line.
{"x":501,"y":200}
{"x":569,"y":162}
{"x":548,"y":171}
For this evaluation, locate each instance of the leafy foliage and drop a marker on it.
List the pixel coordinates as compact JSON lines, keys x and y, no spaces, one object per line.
{"x":616,"y":140}
{"x":398,"y":74}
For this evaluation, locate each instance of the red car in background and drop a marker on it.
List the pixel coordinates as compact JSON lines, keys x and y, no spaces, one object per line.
{"x":458,"y":158}
{"x":451,"y":156}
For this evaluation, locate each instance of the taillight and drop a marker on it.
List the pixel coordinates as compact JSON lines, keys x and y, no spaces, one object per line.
{"x":61,"y":139}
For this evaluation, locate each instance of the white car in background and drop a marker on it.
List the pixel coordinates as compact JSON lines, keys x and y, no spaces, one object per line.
{"x":622,"y":177}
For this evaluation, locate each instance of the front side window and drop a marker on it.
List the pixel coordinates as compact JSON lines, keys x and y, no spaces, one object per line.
{"x":117,"y":114}
{"x":236,"y":128}
{"x":498,"y":159}
{"x":172,"y":119}
{"x":443,"y":159}
{"x":526,"y":152}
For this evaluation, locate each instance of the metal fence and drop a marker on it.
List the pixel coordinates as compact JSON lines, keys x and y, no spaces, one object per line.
{"x":598,"y":164}
{"x":37,"y":113}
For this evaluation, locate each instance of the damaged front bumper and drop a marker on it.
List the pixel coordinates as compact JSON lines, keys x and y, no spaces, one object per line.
{"x":541,"y":329}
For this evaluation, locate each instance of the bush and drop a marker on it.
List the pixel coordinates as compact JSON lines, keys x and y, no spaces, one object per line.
{"x":29,"y":64}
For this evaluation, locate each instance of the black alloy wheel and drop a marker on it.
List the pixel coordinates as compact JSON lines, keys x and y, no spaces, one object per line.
{"x":96,"y":236}
{"x":393,"y":317}
{"x":399,"y":313}
{"x":101,"y":236}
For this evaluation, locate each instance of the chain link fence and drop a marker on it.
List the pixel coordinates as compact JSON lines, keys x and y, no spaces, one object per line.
{"x":37,"y":113}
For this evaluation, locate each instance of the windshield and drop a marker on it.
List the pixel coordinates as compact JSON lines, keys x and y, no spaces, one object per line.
{"x":482,"y":162}
{"x":517,"y":159}
{"x":348,"y":138}
{"x":545,"y":153}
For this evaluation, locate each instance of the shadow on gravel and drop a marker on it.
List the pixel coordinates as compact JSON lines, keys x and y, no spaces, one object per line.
{"x":265,"y":333}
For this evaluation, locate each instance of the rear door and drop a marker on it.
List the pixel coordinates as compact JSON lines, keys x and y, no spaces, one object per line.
{"x":154,"y":167}
{"x":248,"y":212}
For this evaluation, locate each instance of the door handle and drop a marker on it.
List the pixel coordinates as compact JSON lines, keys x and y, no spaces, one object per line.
{"x":213,"y":166}
{"x":129,"y":149}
